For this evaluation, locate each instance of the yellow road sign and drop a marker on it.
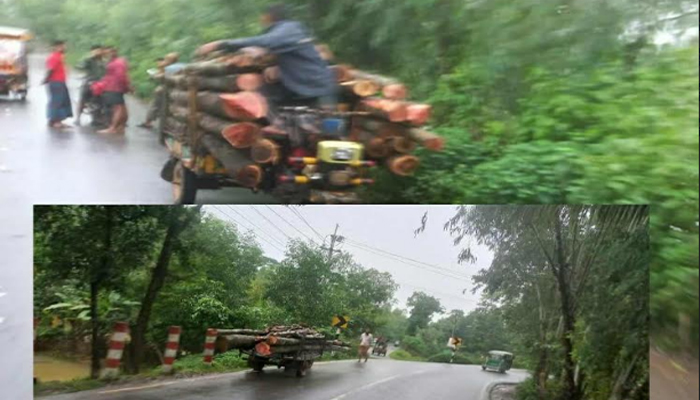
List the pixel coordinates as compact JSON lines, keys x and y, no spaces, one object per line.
{"x":340,"y":321}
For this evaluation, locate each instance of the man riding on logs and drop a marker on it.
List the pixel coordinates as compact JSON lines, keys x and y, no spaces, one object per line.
{"x":94,"y":68}
{"x":305,"y":78}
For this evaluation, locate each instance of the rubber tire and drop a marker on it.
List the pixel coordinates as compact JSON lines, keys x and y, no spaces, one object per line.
{"x":302,"y":368}
{"x":255,"y":364}
{"x":188,"y":184}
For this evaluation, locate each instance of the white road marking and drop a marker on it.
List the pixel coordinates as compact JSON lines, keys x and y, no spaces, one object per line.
{"x":379,"y":382}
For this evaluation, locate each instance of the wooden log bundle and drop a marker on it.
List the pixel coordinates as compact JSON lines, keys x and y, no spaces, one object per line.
{"x":220,"y":95}
{"x":277,"y":340}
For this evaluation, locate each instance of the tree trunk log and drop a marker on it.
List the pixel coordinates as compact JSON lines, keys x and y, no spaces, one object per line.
{"x":391,"y":88}
{"x":241,"y":341}
{"x":427,"y":139}
{"x":245,"y":106}
{"x":377,"y":148}
{"x":403,"y":165}
{"x":240,"y":135}
{"x":249,"y":332}
{"x":401,"y":144}
{"x":389,"y":110}
{"x":225,"y":83}
{"x":265,"y":151}
{"x":206,"y":102}
{"x":418,"y":114}
{"x":237,"y":162}
{"x":361,"y":88}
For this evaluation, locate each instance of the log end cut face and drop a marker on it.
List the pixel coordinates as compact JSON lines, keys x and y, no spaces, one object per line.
{"x":244,"y":106}
{"x":241,"y":135}
{"x":403,"y":165}
{"x":250,"y":176}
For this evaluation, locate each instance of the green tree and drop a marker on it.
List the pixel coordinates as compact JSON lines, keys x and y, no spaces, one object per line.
{"x":422,"y":309}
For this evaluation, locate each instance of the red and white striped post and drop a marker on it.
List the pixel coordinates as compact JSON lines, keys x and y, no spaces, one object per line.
{"x":209,"y":344}
{"x":116,"y":348}
{"x":171,"y":348}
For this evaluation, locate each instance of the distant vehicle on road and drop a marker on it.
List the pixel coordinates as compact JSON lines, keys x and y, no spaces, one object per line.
{"x":500,"y":361}
{"x":14,"y":77}
{"x":379,"y":348}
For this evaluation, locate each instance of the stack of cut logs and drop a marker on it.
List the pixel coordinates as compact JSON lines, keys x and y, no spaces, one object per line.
{"x":394,"y":126}
{"x":277,"y":340}
{"x":229,"y":117}
{"x":218,"y":100}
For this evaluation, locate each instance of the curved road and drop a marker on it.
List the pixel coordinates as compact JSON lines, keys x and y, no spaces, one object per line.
{"x":341,"y":380}
{"x":80,"y":166}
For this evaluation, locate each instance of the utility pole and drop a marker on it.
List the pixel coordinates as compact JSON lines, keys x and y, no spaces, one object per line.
{"x":333,"y":239}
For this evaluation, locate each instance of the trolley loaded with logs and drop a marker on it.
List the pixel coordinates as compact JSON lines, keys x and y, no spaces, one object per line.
{"x":293,"y":347}
{"x":220,"y":132}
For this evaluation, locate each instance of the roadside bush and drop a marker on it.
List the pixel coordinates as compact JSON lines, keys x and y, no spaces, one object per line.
{"x":403,"y":355}
{"x":528,"y":391}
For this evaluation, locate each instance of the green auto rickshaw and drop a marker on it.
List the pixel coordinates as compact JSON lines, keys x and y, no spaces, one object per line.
{"x":500,"y":361}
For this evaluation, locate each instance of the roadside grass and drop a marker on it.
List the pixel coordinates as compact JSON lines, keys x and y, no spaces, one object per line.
{"x":403,"y":355}
{"x":188,"y":366}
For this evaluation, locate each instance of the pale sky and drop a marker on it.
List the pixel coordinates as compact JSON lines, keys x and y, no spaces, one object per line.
{"x":386,"y":228}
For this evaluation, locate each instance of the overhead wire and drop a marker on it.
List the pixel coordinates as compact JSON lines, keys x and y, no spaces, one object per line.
{"x":291,"y":225}
{"x":298,"y":214}
{"x":267,"y":233}
{"x":233,"y":220}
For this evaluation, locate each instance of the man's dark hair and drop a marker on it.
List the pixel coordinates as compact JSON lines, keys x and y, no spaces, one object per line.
{"x":278,"y":12}
{"x":58,"y":42}
{"x":95,"y":47}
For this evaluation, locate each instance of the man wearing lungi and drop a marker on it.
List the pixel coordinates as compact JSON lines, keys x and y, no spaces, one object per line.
{"x":365,"y":344}
{"x":59,"y":107}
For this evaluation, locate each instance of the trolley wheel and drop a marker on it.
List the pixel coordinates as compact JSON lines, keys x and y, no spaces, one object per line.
{"x":184,"y":184}
{"x":302,"y":368}
{"x":255,"y":364}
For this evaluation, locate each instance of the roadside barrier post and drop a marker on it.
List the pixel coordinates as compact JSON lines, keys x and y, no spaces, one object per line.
{"x":209,"y":344}
{"x":116,"y":349}
{"x":171,"y":348}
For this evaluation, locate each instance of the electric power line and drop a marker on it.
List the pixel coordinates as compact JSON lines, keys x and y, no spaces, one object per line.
{"x":232,"y":220}
{"x":298,"y":214}
{"x":377,"y":252}
{"x":268,"y":234}
{"x":290,"y":224}
{"x":432,"y":266}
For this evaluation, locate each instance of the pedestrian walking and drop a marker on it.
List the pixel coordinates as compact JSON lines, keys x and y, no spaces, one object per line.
{"x":59,"y":107}
{"x":365,"y":344}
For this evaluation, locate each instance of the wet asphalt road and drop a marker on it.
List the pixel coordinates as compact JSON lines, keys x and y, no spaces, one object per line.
{"x":348,"y":380}
{"x":80,"y":166}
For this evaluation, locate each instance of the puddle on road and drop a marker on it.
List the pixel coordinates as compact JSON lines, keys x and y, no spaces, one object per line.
{"x":48,"y":368}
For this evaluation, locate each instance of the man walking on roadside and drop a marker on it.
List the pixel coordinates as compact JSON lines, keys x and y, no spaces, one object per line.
{"x":116,"y":84}
{"x":94,"y":68}
{"x":365,"y":344}
{"x":59,"y":107}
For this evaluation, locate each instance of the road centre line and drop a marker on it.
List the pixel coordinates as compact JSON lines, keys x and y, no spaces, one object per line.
{"x":379,"y":382}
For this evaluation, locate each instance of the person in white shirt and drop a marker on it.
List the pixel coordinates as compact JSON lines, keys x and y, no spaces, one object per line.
{"x":365,"y":344}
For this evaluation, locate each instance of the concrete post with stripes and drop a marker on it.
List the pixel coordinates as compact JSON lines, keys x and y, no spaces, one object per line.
{"x":116,"y":349}
{"x":171,"y":348}
{"x":209,"y":344}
